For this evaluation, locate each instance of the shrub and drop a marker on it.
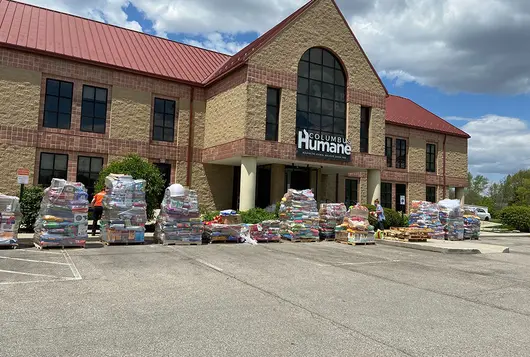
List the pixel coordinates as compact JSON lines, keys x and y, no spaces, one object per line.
{"x":517,"y":217}
{"x":138,"y":168}
{"x":393,"y":218}
{"x":30,"y":205}
{"x":208,"y":215}
{"x":256,"y":215}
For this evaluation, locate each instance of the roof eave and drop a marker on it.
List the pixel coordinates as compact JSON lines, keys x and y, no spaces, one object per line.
{"x":417,"y":127}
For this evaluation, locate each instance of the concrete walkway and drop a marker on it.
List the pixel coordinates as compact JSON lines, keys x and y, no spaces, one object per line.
{"x":449,"y":247}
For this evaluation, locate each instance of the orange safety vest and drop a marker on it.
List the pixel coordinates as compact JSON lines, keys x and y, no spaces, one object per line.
{"x":98,"y":199}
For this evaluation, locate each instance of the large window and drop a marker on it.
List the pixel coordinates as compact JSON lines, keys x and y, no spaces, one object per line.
{"x":365,"y":128}
{"x":388,"y":151}
{"x":88,"y":169}
{"x":352,"y":193}
{"x":94,"y":109}
{"x":273,"y":114}
{"x":321,"y":102}
{"x":386,"y":195}
{"x":164,"y":121}
{"x":431,"y":158}
{"x":401,"y":153}
{"x":52,"y":166}
{"x":58,"y":104}
{"x":431,"y":194}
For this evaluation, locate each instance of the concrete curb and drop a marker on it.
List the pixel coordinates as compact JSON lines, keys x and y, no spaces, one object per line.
{"x":438,"y":249}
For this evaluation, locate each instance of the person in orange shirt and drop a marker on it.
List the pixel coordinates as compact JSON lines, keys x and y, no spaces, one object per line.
{"x":97,"y":203}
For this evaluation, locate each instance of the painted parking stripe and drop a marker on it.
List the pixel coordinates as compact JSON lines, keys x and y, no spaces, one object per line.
{"x":30,"y":274}
{"x":73,"y":268}
{"x":36,"y":281}
{"x":33,"y":261}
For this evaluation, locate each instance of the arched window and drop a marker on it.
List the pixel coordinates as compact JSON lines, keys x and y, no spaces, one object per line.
{"x":321,"y":102}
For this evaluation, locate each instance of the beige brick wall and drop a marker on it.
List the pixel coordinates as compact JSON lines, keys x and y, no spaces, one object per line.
{"x":287,"y":130}
{"x":183,"y":121}
{"x":20,"y":97}
{"x":416,"y":154}
{"x":377,"y":132}
{"x":226,"y":116}
{"x":457,"y":162}
{"x":131,"y":114}
{"x":363,"y":190}
{"x":416,"y":192}
{"x":181,"y":172}
{"x":13,"y":158}
{"x":320,"y":26}
{"x":214,"y":185}
{"x":256,"y":111}
{"x":199,"y":120}
{"x":354,"y":126}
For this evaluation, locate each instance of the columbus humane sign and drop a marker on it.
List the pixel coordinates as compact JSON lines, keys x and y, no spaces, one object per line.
{"x":322,"y":146}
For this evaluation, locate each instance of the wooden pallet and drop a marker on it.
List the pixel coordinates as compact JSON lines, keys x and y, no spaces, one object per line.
{"x":301,"y":240}
{"x":221,"y":241}
{"x":123,"y":243}
{"x":357,"y":243}
{"x":409,"y":239}
{"x":176,"y":242}
{"x":46,"y":246}
{"x":269,"y":241}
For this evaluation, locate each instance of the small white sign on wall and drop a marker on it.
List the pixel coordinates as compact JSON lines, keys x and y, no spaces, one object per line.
{"x":402,"y":200}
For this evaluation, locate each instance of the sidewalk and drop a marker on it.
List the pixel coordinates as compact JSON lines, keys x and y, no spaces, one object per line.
{"x":448,"y":247}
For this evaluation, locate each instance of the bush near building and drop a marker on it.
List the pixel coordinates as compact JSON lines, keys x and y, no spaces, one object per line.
{"x":517,"y":217}
{"x":393,"y":218}
{"x":138,"y":168}
{"x":30,"y":206}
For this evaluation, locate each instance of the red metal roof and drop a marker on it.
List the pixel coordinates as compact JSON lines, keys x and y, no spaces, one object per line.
{"x":60,"y":34}
{"x":404,"y":112}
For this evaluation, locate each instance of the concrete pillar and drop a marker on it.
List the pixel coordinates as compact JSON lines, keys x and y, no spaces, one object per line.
{"x":460,"y":194}
{"x":247,"y":194}
{"x":374,"y":185}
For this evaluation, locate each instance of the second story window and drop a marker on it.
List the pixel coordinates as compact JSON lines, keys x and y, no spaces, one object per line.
{"x":401,"y":153}
{"x":164,"y":120}
{"x":388,"y":151}
{"x":365,"y":128}
{"x":273,"y":114}
{"x":58,"y":104}
{"x":431,"y":158}
{"x":94,"y":109}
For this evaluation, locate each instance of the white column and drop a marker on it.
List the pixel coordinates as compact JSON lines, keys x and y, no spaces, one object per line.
{"x":247,"y":193}
{"x":374,"y":185}
{"x":460,"y":194}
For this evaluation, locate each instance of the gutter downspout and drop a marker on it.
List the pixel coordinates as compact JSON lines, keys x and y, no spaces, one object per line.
{"x":444,"y":161}
{"x":190,"y":141}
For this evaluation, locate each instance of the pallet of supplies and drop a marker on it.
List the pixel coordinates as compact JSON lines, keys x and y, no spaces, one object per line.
{"x":355,"y":228}
{"x":266,"y":231}
{"x":179,"y":221}
{"x":63,"y":216}
{"x":426,"y":215}
{"x":10,"y":218}
{"x":299,"y":216}
{"x":124,"y":210}
{"x":471,"y":224}
{"x":225,"y":228}
{"x":452,"y":218}
{"x":331,"y":215}
{"x":408,"y":234}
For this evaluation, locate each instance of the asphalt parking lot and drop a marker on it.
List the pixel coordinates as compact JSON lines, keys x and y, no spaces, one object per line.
{"x":319,"y":299}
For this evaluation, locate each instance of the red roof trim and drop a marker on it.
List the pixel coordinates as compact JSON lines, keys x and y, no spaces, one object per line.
{"x":404,"y":112}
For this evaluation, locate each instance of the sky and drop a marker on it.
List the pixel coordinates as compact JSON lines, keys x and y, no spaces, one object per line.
{"x":467,"y":61}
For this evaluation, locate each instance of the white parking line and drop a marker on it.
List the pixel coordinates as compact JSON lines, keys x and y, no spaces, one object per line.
{"x":33,"y":261}
{"x":36,"y":281}
{"x":31,"y":274}
{"x":209,"y":265}
{"x":73,"y":268}
{"x":38,"y":252}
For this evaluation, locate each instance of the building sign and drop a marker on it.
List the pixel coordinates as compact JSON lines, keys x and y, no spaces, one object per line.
{"x":23,"y":176}
{"x":321,"y":146}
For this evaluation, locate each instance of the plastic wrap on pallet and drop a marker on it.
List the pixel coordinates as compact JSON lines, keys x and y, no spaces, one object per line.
{"x":355,"y":227}
{"x":63,"y":216}
{"x":267,"y":231}
{"x":124,"y":210}
{"x":331,"y":215}
{"x":299,"y":215}
{"x":451,"y":217}
{"x":10,"y":218}
{"x":223,"y":232}
{"x":179,"y":219}
{"x":471,"y":224}
{"x":426,"y":215}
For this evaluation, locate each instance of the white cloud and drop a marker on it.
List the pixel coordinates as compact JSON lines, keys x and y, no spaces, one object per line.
{"x":498,"y":145}
{"x":218,"y":42}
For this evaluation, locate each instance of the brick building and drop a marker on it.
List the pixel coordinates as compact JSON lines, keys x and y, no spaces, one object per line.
{"x":300,"y":107}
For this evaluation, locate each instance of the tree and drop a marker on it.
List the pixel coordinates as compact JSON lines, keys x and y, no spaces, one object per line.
{"x":477,"y":186}
{"x":138,"y":168}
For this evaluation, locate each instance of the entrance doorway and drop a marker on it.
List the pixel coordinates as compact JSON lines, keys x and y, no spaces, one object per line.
{"x":297,"y":178}
{"x":263,"y":186}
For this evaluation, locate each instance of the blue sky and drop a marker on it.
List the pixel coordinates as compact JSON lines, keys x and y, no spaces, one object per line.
{"x":466,"y":66}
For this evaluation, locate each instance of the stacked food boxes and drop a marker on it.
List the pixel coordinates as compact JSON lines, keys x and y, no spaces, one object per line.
{"x":331,"y":216}
{"x":451,"y":217}
{"x":299,"y":216}
{"x":179,"y":219}
{"x":63,"y":216}
{"x":9,"y":220}
{"x":426,"y":216}
{"x":124,"y":210}
{"x":471,"y":224}
{"x":226,"y":233}
{"x":355,"y":228}
{"x":266,"y":231}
